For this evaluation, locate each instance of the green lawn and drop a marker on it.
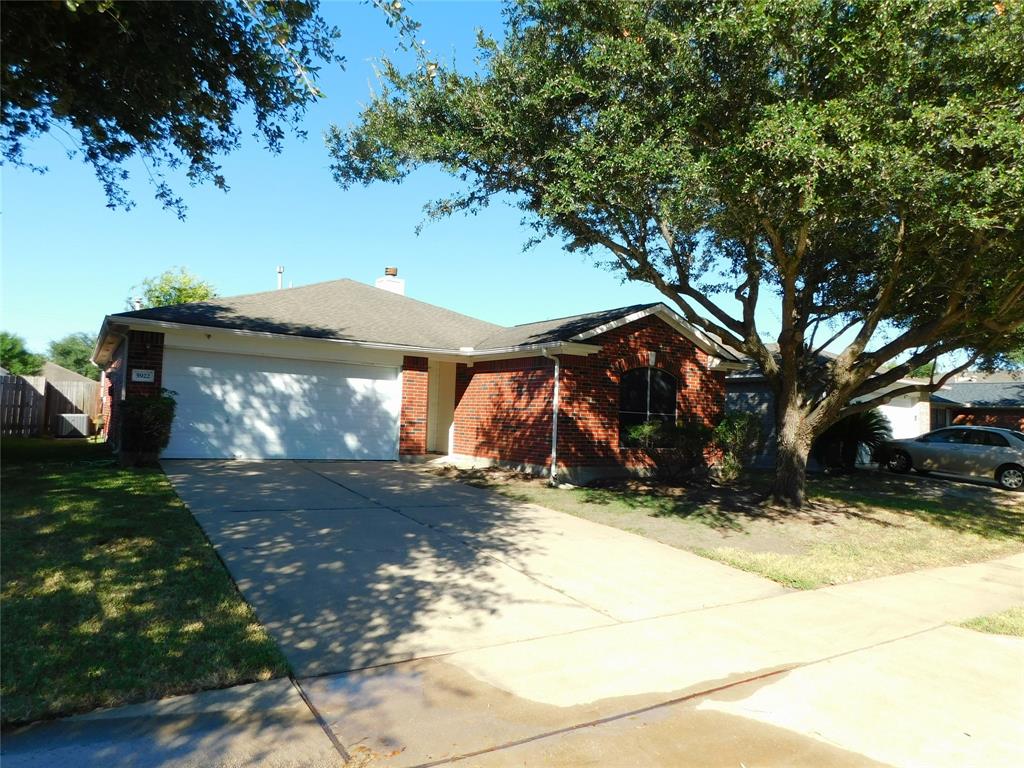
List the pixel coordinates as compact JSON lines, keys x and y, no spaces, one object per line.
{"x":853,"y":527}
{"x":1009,"y":622}
{"x":110,"y":591}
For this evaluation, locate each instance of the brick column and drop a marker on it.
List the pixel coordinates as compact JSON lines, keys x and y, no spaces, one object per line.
{"x":146,"y":351}
{"x":412,"y":435}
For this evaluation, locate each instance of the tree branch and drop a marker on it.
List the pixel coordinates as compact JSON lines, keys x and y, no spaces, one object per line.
{"x":867,"y":405}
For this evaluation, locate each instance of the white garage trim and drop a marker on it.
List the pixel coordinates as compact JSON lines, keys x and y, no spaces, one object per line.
{"x":256,"y":407}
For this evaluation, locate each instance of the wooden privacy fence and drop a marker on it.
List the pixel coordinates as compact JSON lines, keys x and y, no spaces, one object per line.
{"x":32,"y":406}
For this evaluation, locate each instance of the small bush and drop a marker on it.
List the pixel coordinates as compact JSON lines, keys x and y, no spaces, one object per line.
{"x":677,"y":450}
{"x":838,"y":446}
{"x":146,"y":425}
{"x":739,"y":438}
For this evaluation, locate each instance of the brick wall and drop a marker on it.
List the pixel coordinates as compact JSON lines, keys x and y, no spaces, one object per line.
{"x":503,"y":410}
{"x":143,"y":349}
{"x":588,"y":426}
{"x":412,"y":436}
{"x":1010,"y":418}
{"x":110,"y":392}
{"x":146,"y":351}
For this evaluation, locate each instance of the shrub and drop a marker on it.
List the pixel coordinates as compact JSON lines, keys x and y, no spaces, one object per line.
{"x":146,"y":425}
{"x":676,"y":450}
{"x":739,"y":437}
{"x":838,"y":446}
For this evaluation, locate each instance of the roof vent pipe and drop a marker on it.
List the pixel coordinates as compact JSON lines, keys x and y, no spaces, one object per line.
{"x":137,"y":303}
{"x":391,"y":281}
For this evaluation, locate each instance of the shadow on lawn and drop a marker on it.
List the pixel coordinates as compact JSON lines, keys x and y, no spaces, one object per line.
{"x":110,"y":591}
{"x":967,"y":508}
{"x":874,"y":497}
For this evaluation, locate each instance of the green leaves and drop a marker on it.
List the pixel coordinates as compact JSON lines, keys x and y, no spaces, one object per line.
{"x":173,"y":287}
{"x":15,"y":358}
{"x":159,"y":81}
{"x":74,"y":352}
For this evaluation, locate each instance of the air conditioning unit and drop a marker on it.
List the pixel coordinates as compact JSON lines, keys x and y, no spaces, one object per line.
{"x":73,"y":425}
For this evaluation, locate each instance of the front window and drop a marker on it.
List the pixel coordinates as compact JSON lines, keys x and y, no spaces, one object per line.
{"x":645,"y":394}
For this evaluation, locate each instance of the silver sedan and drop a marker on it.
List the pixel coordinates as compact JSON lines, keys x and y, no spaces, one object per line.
{"x":989,"y":452}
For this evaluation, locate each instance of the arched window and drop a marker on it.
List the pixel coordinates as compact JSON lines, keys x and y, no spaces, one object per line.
{"x":645,"y":394}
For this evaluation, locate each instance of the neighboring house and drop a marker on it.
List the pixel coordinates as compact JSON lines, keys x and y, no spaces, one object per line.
{"x":343,"y":370}
{"x":748,"y":390}
{"x":977,"y":398}
{"x":53,"y":372}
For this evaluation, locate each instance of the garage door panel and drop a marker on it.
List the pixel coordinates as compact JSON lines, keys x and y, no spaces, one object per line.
{"x":239,"y":406}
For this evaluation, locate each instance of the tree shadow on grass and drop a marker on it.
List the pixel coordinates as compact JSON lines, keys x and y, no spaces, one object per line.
{"x":111,"y":593}
{"x":873,"y":497}
{"x":967,"y":508}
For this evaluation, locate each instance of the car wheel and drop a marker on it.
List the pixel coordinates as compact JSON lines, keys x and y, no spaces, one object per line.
{"x":1011,"y":478}
{"x":900,"y":462}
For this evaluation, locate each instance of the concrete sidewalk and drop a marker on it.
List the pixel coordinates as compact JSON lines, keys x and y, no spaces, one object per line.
{"x":550,"y":693}
{"x":262,"y":724}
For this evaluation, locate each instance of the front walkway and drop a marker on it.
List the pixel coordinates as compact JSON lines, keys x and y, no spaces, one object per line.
{"x":506,"y":634}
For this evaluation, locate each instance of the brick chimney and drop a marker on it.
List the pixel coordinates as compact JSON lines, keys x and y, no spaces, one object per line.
{"x":391,"y":281}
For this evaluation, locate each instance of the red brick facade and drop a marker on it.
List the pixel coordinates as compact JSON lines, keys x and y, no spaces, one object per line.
{"x":145,"y":351}
{"x":1010,"y":418}
{"x":588,"y":424}
{"x":503,"y":408}
{"x":412,"y":432}
{"x":111,"y":390}
{"x":140,"y":350}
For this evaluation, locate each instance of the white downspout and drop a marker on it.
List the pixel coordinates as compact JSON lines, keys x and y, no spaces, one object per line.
{"x":554,"y":417}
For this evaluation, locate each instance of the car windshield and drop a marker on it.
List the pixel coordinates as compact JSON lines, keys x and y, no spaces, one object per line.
{"x":1018,"y":435}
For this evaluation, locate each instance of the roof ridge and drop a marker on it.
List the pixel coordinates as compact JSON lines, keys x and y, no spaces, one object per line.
{"x":278,"y":291}
{"x":584,"y":314}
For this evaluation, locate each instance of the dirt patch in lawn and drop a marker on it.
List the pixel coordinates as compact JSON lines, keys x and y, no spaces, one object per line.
{"x":852,"y":527}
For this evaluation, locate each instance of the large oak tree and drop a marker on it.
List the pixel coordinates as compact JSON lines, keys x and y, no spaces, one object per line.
{"x":857,"y":165}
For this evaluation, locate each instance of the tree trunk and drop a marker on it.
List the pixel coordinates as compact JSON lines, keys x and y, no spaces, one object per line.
{"x":793,"y":445}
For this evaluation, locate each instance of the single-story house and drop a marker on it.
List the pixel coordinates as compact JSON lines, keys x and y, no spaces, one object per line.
{"x":994,"y":399}
{"x":748,"y":390}
{"x":344,"y":370}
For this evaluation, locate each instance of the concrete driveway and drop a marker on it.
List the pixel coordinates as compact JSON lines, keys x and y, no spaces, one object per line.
{"x":356,"y":564}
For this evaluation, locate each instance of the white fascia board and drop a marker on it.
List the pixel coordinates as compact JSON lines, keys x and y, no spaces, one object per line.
{"x":698,"y":337}
{"x":448,"y":355}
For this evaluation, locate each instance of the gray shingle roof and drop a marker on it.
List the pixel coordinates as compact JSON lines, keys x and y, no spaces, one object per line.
{"x":1002,"y":394}
{"x":338,"y":309}
{"x":559,"y":329}
{"x":346,"y":309}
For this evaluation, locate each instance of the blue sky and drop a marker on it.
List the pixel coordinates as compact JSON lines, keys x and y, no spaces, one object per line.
{"x":67,"y":260}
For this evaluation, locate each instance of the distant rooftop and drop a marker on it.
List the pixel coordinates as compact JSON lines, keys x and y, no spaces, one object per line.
{"x":984,"y":394}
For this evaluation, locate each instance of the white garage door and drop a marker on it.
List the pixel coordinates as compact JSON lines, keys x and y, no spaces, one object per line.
{"x":248,"y":407}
